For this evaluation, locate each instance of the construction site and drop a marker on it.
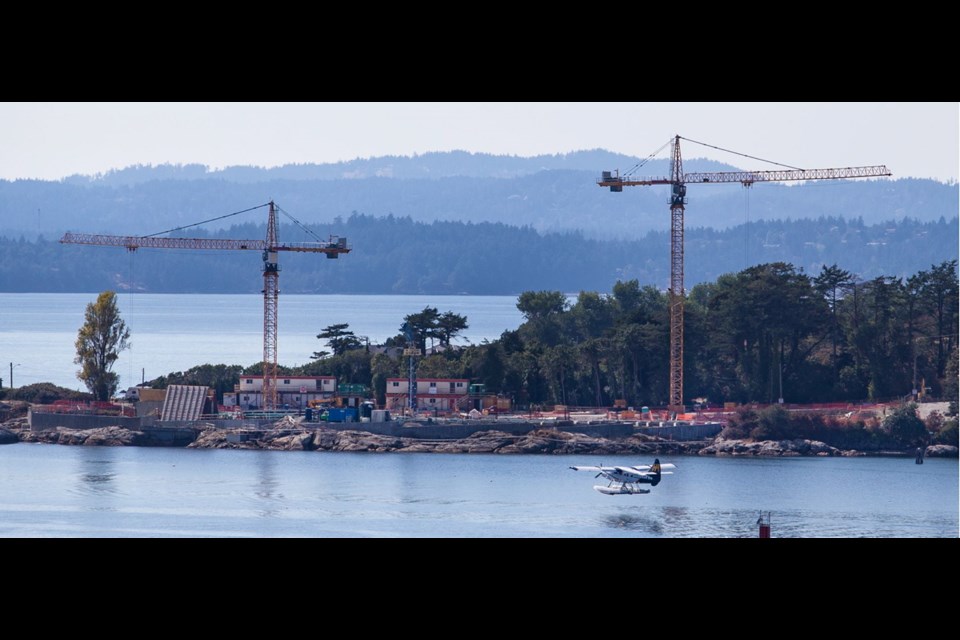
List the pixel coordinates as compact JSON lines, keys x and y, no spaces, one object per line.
{"x":179,"y":414}
{"x":431,"y":407}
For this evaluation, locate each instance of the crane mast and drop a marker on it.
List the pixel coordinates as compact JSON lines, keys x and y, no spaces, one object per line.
{"x":678,"y":198}
{"x":271,"y":293}
{"x":678,"y":181}
{"x":270,"y":248}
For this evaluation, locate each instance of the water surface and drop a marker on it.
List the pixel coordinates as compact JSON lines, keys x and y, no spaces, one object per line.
{"x":71,"y":491}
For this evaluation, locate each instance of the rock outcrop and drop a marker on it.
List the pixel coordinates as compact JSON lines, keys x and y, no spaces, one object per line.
{"x":544,"y":441}
{"x":771,"y":448}
{"x":100,"y":437}
{"x":286,"y":436}
{"x":942,"y":451}
{"x":212,"y":439}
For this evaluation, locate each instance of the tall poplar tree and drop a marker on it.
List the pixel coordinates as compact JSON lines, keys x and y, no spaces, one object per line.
{"x":99,"y":343}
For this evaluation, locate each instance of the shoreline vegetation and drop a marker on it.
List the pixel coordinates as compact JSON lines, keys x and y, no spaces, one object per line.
{"x":768,"y":332}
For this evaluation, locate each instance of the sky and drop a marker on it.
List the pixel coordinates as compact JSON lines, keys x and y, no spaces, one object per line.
{"x":53,"y":140}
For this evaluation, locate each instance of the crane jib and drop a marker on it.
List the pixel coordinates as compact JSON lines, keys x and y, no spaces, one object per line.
{"x":133,"y":243}
{"x":750,"y":177}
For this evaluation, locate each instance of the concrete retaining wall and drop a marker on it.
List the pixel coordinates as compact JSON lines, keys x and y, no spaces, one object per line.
{"x":45,"y":421}
{"x":218,"y":423}
{"x":160,"y":434}
{"x":601,"y":430}
{"x":176,"y":430}
{"x":42,"y":421}
{"x":167,"y":437}
{"x":682,"y":430}
{"x":453,"y":431}
{"x":672,"y":431}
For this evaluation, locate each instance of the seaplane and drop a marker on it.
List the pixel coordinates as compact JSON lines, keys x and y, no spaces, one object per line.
{"x":627,"y":480}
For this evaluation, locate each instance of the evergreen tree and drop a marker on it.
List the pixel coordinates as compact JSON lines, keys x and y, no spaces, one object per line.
{"x":421,"y":326}
{"x":339,"y":339}
{"x":536,"y":305}
{"x":830,"y":283}
{"x":450,"y":324}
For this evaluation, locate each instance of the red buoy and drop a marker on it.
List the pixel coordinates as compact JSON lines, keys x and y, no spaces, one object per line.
{"x":764,"y":523}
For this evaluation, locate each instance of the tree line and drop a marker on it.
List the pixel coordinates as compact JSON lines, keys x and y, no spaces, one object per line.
{"x":758,"y":335}
{"x":764,"y":334}
{"x":394,"y":255}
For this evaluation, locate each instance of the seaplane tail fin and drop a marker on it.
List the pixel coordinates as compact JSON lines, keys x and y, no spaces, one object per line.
{"x":655,"y":470}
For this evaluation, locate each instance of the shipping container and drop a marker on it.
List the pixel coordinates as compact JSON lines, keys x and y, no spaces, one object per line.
{"x":380,"y":415}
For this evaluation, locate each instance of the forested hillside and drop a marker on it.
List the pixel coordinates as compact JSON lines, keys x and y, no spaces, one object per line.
{"x":458,"y":222}
{"x":399,"y":255}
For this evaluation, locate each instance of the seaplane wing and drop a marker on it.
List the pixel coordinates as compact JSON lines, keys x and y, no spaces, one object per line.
{"x":638,"y":470}
{"x":647,"y":467}
{"x":623,"y":474}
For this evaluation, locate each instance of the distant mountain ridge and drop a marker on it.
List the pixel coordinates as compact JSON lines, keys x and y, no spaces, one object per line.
{"x":547,"y":193}
{"x":431,"y":165}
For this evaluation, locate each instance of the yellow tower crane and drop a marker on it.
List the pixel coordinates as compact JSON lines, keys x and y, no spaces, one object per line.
{"x":678,"y":180}
{"x":270,"y":247}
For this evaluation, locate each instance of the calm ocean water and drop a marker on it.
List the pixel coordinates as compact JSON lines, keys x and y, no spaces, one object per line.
{"x":64,"y":491}
{"x":60,"y":491}
{"x":175,"y":332}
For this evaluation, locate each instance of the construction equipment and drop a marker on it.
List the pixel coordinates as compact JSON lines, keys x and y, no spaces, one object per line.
{"x":411,"y":353}
{"x":270,"y":247}
{"x":678,"y":181}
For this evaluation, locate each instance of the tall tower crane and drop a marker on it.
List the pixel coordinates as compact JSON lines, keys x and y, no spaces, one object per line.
{"x":678,"y":181}
{"x":270,"y":247}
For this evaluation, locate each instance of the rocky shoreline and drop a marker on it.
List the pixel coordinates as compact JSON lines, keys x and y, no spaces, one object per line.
{"x":543,"y":441}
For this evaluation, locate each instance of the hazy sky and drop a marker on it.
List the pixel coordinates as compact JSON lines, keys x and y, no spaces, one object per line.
{"x":53,"y":140}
